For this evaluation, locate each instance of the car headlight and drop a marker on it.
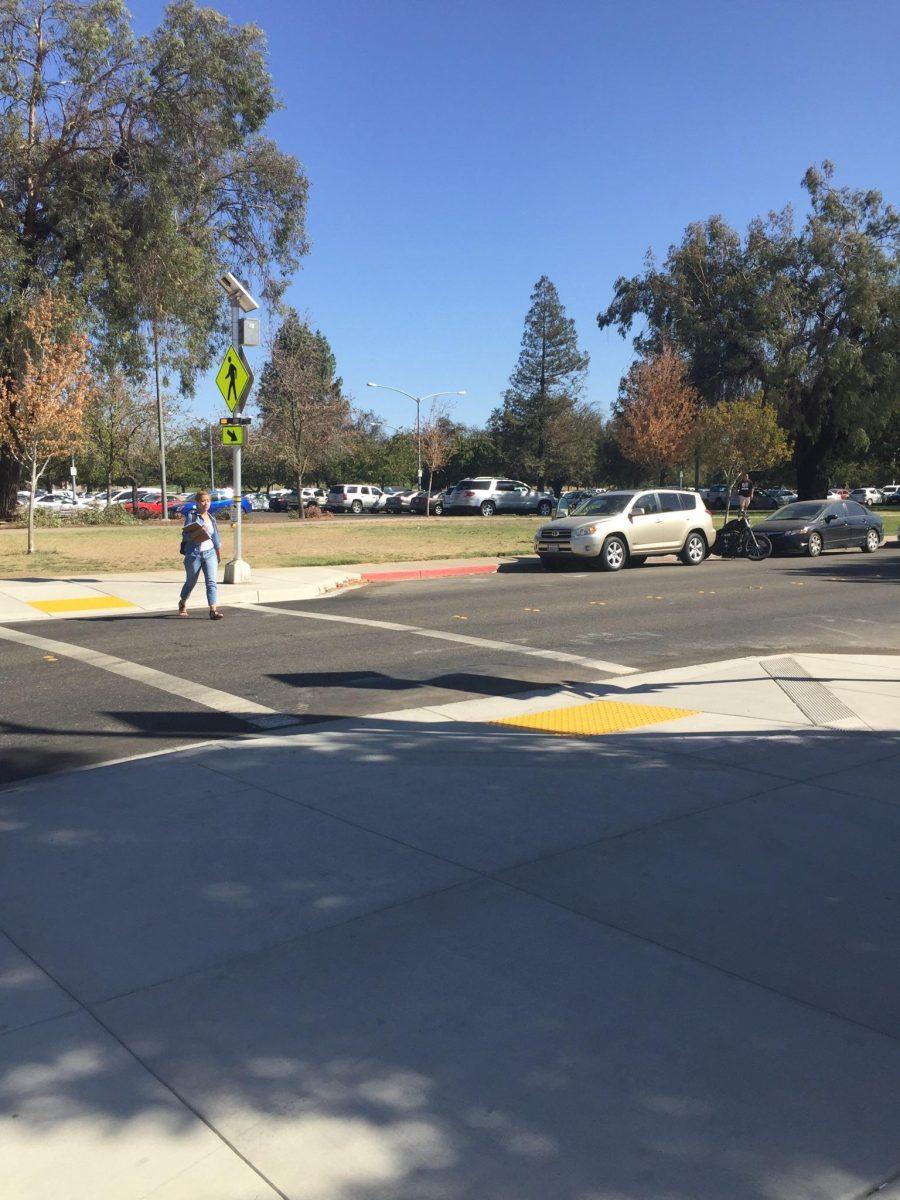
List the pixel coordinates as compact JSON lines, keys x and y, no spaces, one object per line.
{"x":585,"y":530}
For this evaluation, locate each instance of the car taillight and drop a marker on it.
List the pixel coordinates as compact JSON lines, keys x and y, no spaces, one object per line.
{"x":708,"y":512}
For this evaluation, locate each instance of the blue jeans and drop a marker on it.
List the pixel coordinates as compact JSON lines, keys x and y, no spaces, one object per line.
{"x":193,"y":565}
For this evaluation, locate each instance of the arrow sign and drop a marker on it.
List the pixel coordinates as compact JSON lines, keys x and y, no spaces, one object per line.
{"x":232,"y":435}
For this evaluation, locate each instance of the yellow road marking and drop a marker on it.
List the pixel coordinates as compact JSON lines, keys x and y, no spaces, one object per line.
{"x":596,"y":718}
{"x":80,"y":604}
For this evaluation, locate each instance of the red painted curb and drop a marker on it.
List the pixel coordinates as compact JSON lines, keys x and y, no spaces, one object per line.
{"x":428,"y":573}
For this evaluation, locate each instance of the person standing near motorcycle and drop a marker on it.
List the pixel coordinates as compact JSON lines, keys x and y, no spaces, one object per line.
{"x":745,"y":492}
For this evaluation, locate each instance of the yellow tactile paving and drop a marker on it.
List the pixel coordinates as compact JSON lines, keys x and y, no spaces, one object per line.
{"x":80,"y":604}
{"x":596,"y":718}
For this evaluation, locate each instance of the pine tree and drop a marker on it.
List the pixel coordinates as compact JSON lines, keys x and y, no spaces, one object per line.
{"x":532,"y":428}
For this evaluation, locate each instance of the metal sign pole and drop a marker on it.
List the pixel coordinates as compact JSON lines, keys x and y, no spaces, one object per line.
{"x":236,"y":571}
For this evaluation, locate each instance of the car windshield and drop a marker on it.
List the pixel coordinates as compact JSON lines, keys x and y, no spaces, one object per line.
{"x":806,"y":511}
{"x":603,"y":506}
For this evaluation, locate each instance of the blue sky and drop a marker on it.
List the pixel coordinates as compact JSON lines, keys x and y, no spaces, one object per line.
{"x":459,"y":150}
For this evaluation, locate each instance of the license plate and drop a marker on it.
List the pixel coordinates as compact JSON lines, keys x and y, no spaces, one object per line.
{"x":549,"y":546}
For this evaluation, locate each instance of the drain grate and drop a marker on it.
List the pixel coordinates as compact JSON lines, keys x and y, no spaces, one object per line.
{"x":813,"y":700}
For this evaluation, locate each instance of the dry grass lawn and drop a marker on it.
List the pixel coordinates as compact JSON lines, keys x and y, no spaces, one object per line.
{"x":153,"y":547}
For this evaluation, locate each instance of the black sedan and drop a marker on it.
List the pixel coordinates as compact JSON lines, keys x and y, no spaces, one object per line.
{"x":811,"y":526}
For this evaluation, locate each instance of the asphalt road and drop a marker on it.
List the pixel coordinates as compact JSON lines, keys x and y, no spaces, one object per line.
{"x":57,"y":713}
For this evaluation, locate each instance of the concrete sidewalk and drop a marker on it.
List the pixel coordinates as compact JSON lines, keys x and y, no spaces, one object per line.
{"x":157,"y":591}
{"x":449,"y":954}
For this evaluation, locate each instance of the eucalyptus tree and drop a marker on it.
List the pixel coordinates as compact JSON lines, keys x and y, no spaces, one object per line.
{"x":132,"y":169}
{"x":810,"y":315}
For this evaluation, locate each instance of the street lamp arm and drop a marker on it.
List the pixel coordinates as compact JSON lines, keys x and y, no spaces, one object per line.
{"x":434,"y":395}
{"x":384,"y":387}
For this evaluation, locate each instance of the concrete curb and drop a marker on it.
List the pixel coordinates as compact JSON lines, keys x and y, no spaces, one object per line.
{"x":428,"y":573}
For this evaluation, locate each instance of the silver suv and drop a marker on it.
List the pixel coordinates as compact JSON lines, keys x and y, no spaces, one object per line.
{"x":355,"y":498}
{"x":489,"y":496}
{"x":619,"y":528}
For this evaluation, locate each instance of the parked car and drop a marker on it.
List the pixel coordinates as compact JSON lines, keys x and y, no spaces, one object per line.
{"x":811,"y":526}
{"x":716,"y":496}
{"x":63,"y":502}
{"x":569,"y":501}
{"x":399,"y":501}
{"x":418,"y":503}
{"x":890,"y":493}
{"x":221,"y":500}
{"x":622,"y":528}
{"x":287,"y":501}
{"x":866,"y":495}
{"x":489,"y":496}
{"x":259,"y":501}
{"x":355,"y":498}
{"x":837,"y":493}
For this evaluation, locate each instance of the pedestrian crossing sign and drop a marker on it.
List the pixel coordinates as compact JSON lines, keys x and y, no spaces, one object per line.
{"x":233,"y":435}
{"x":233,"y":379}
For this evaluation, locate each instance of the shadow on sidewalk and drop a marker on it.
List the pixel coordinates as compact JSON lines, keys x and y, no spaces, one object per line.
{"x":364,"y":1038}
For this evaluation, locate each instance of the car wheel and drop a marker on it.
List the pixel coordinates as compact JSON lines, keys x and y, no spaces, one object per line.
{"x":356,"y":506}
{"x":614,"y":554}
{"x":694,"y":550}
{"x":437,"y":509}
{"x":488,"y":508}
{"x":814,"y":548}
{"x":545,"y":508}
{"x":636,"y":560}
{"x":872,"y":542}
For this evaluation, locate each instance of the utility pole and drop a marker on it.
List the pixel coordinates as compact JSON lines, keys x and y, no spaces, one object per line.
{"x":212,"y":469}
{"x":160,"y":422}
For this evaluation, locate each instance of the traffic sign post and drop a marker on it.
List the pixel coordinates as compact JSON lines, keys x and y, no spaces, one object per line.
{"x":234,"y":380}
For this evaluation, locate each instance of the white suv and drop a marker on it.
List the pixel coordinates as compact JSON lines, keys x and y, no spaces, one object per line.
{"x":616,"y":529}
{"x":355,"y":498}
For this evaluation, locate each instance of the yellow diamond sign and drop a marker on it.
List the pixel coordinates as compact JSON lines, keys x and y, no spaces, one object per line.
{"x":234,"y":379}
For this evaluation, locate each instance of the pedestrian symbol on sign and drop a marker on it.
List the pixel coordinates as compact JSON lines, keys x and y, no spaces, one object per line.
{"x":232,"y":381}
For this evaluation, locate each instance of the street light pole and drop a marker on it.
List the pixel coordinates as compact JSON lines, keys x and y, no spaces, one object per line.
{"x":418,"y":446}
{"x":417,"y":400}
{"x":212,"y":469}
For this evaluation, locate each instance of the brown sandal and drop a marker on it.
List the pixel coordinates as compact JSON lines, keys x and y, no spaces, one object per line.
{"x":215,"y":615}
{"x":182,"y":609}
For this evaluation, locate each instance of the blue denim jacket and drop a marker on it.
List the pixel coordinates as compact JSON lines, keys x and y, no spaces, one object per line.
{"x":191,"y":549}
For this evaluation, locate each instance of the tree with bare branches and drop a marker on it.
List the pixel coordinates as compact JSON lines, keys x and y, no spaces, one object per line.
{"x":42,"y":399}
{"x":301,"y":401}
{"x":118,"y":425}
{"x":439,"y":437}
{"x":656,"y":413}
